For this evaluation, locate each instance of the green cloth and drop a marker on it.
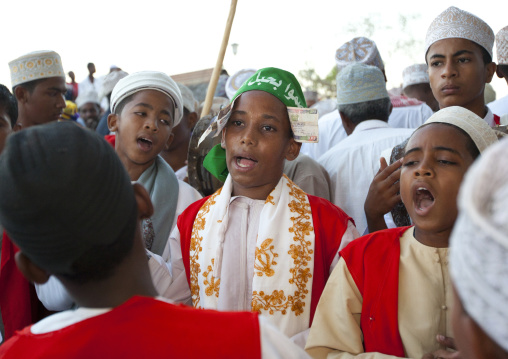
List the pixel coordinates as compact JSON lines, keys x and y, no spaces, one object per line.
{"x":282,"y":84}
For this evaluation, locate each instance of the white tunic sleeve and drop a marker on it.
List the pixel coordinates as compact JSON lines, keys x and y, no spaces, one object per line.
{"x":274,"y":344}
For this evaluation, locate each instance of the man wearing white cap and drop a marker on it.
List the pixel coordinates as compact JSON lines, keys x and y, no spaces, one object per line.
{"x":479,"y":260}
{"x":38,"y":83}
{"x":89,"y":108}
{"x":364,"y":108}
{"x":177,"y":152}
{"x":416,"y":84}
{"x":500,"y":106}
{"x":458,"y":52}
{"x":406,"y":113}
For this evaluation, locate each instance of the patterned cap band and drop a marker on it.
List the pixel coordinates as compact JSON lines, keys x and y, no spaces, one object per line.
{"x":415,"y":74}
{"x":457,"y":23}
{"x":35,"y":66}
{"x":502,"y":46}
{"x":360,"y":83}
{"x":361,"y":50}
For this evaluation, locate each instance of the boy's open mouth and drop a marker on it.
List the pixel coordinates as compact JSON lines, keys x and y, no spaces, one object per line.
{"x":145,"y":144}
{"x":245,"y":162}
{"x":423,"y":199}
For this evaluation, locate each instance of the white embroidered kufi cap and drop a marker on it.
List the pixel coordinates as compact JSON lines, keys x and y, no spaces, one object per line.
{"x":236,"y":81}
{"x":502,"y":46}
{"x":479,"y":244}
{"x":457,"y":23}
{"x":360,"y":83}
{"x":149,"y":80}
{"x":110,"y":80}
{"x":480,"y":132}
{"x":415,"y":74}
{"x":35,"y":66}
{"x":87,"y":97}
{"x":361,"y":50}
{"x":189,"y":102}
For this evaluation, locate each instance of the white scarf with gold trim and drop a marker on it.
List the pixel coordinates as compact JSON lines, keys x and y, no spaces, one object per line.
{"x":284,"y":264}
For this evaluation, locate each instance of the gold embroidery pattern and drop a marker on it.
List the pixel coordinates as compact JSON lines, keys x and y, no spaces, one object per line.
{"x":265,"y":259}
{"x":212,"y":286}
{"x":301,"y":252}
{"x":269,"y":199}
{"x":195,"y":247}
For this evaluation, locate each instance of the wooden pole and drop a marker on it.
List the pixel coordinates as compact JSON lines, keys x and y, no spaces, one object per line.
{"x":218,"y":66}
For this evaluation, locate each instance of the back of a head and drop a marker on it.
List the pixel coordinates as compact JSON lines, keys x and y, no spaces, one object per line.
{"x":362,"y":94}
{"x":67,"y":201}
{"x":479,"y":244}
{"x":8,"y":101}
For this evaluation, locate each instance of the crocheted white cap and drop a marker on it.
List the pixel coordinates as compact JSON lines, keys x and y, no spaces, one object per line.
{"x":86,"y":97}
{"x":35,"y":66}
{"x":457,"y":23}
{"x":148,"y":80}
{"x":110,"y":81}
{"x":479,"y":244}
{"x":236,"y":81}
{"x":360,"y":83}
{"x":415,"y":74}
{"x":359,"y":49}
{"x":502,"y":46}
{"x":189,"y":102}
{"x":480,"y":132}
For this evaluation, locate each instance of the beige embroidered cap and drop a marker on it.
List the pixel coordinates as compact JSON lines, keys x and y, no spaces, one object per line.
{"x":35,"y":66}
{"x":415,"y":74}
{"x":502,"y":46}
{"x":359,"y":49}
{"x":360,"y":83}
{"x":457,"y":23}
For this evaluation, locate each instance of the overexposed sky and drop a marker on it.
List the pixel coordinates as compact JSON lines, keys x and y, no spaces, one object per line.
{"x":182,"y":36}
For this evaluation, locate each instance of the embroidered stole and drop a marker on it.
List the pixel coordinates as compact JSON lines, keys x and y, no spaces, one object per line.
{"x":284,"y":258}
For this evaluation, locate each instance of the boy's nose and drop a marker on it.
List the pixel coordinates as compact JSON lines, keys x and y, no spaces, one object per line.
{"x":423,"y":170}
{"x":61,"y":102}
{"x":449,"y":70}
{"x":151,"y":124}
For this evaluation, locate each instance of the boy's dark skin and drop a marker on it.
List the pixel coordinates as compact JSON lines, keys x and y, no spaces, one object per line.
{"x":131,"y":277}
{"x":258,"y":139}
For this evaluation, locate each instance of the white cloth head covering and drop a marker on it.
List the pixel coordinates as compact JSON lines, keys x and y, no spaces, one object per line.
{"x":110,"y":81}
{"x":480,"y":132}
{"x":189,"y":102}
{"x":86,"y":97}
{"x":361,"y":50}
{"x":479,"y":244}
{"x":415,"y":74}
{"x":35,"y":66}
{"x":502,"y":46}
{"x":360,"y":83}
{"x":148,"y":80}
{"x":236,"y":81}
{"x":457,"y":23}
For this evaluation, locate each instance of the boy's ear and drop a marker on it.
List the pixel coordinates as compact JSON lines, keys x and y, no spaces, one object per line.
{"x":499,"y":72}
{"x":169,"y":141}
{"x":293,"y":150}
{"x":145,"y":206}
{"x":223,"y":139}
{"x":21,"y":94}
{"x":30,"y":271}
{"x":491,"y":70}
{"x":113,"y":122}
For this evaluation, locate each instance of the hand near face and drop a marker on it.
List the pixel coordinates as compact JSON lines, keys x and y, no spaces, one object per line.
{"x":383,"y":194}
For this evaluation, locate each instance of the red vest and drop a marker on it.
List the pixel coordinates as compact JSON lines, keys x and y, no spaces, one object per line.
{"x":373,"y":261}
{"x":497,"y":120}
{"x":145,"y":328}
{"x":330,"y":223}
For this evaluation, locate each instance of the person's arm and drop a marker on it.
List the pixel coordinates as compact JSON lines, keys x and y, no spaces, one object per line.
{"x":274,"y":344}
{"x":383,"y":195}
{"x":336,"y":331}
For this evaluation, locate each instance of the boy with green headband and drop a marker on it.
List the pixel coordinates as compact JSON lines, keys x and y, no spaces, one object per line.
{"x":259,"y":243}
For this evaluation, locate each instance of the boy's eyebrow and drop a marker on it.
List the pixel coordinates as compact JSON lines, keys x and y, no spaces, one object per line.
{"x":265,"y":115}
{"x":458,"y":53}
{"x":414,"y":149}
{"x":437,"y":148}
{"x":147,"y":105}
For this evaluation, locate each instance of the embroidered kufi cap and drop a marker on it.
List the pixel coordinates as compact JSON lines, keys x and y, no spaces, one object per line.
{"x":35,"y":66}
{"x":236,"y":81}
{"x":415,"y":74}
{"x":360,"y":49}
{"x":110,"y":81}
{"x":189,"y":102}
{"x":148,"y":80}
{"x":90,"y":96}
{"x":480,"y":132}
{"x":457,"y":23}
{"x":360,"y":83}
{"x":479,"y":244}
{"x":502,"y":46}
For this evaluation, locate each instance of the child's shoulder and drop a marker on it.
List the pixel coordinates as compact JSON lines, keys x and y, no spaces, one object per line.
{"x":377,"y":241}
{"x":324,"y":207}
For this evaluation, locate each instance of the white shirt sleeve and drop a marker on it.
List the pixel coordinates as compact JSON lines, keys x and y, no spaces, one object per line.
{"x":350,"y":234}
{"x":53,"y":295}
{"x":274,"y":344}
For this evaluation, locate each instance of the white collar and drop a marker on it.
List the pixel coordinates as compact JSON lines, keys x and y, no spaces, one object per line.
{"x":370,"y":125}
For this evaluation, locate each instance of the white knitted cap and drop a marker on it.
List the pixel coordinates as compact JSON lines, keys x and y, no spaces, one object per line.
{"x":415,"y":74}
